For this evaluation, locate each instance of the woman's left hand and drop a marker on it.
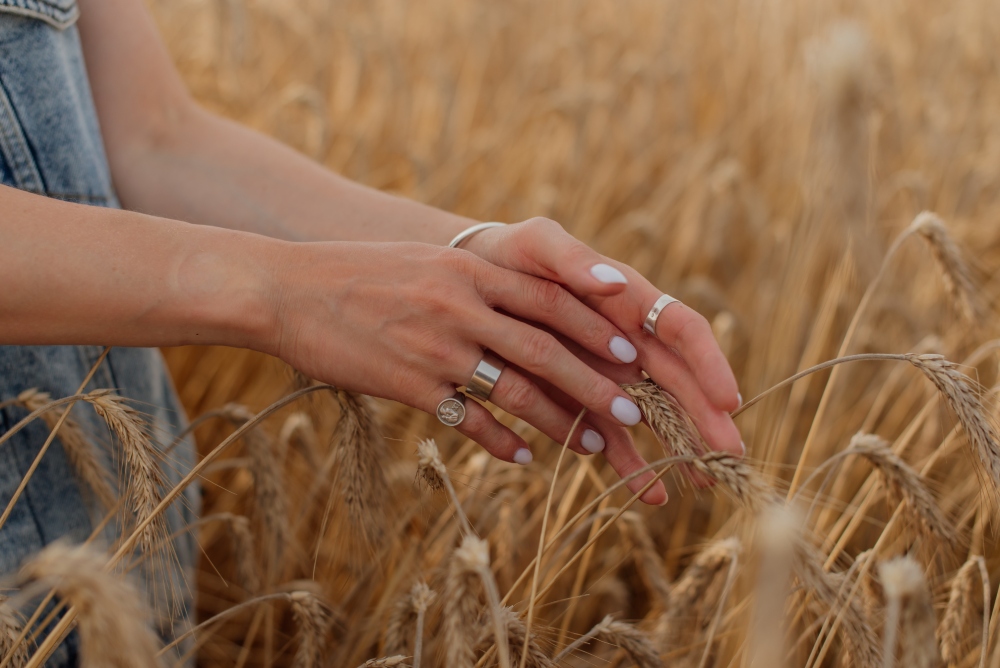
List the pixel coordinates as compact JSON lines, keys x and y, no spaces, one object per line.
{"x":683,"y":357}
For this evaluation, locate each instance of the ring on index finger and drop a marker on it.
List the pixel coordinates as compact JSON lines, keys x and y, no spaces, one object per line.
{"x":663,"y":302}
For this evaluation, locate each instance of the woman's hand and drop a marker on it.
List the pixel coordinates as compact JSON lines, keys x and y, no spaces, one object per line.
{"x":410,"y":322}
{"x":683,"y":357}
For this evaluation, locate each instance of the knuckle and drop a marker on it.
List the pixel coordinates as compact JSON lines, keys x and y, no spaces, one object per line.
{"x":542,"y":224}
{"x":548,"y":297}
{"x":520,"y":396}
{"x":693,"y":329}
{"x":538,"y":349}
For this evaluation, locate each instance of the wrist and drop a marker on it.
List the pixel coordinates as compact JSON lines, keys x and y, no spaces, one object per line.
{"x":229,"y":286}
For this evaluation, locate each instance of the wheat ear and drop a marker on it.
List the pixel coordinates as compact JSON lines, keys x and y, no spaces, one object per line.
{"x":314,"y":619}
{"x":964,"y":398}
{"x":80,"y":451}
{"x":910,"y":614}
{"x":421,"y":597}
{"x":360,"y":477}
{"x":906,"y":484}
{"x":955,"y":272}
{"x":951,"y":631}
{"x":143,"y":477}
{"x":517,"y":637}
{"x":11,"y":630}
{"x":113,"y":623}
{"x":461,"y":609}
{"x":686,"y":600}
{"x":669,"y":422}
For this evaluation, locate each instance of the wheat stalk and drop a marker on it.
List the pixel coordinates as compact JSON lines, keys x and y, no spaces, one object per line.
{"x":517,"y":637}
{"x":270,"y":499}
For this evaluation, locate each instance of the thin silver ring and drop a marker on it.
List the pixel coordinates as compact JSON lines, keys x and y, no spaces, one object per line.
{"x":451,"y":410}
{"x":485,"y":377}
{"x":663,"y":302}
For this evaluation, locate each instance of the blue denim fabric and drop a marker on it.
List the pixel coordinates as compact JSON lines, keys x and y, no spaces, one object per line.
{"x":50,"y":144}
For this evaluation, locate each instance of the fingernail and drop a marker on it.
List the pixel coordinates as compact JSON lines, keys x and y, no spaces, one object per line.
{"x":625,"y":411}
{"x":739,"y":398}
{"x":605,"y":273}
{"x":592,"y":441}
{"x":622,"y":349}
{"x":522,"y":456}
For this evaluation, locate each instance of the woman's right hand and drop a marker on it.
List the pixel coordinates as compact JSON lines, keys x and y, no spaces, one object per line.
{"x":410,"y":322}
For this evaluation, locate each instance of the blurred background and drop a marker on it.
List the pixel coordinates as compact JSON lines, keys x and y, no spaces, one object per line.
{"x":754,"y":158}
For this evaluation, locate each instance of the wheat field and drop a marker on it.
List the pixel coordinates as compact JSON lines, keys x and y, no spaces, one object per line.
{"x":821,"y":180}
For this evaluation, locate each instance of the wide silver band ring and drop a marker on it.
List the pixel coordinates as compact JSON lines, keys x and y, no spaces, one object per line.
{"x":485,"y":377}
{"x":451,"y":411}
{"x":663,"y":302}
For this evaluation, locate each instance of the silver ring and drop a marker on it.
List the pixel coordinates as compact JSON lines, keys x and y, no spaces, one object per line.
{"x":663,"y":302}
{"x":451,"y":411}
{"x":485,"y":377}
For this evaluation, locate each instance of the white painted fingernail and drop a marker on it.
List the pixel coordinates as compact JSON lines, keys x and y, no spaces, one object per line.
{"x":625,"y":411}
{"x":605,"y":273}
{"x":739,"y":398}
{"x":522,"y":456}
{"x":592,"y":441}
{"x":622,"y":349}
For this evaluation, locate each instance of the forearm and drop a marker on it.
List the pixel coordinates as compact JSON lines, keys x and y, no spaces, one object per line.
{"x":212,"y":171}
{"x":78,"y":274}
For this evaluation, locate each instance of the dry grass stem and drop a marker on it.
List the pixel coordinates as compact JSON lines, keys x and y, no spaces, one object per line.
{"x":269,"y":510}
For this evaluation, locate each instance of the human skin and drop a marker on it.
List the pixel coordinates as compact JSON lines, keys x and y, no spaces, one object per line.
{"x":349,"y":285}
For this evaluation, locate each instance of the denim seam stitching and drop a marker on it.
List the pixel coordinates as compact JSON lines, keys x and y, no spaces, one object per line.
{"x":14,"y":146}
{"x":45,"y":11}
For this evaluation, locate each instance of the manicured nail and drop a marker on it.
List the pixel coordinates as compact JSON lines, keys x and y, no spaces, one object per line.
{"x":522,"y":456}
{"x":622,"y":349}
{"x":605,"y":273}
{"x":592,"y":441}
{"x":739,"y":398}
{"x":625,"y":411}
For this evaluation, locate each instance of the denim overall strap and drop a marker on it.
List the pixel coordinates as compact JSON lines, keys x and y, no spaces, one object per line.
{"x":50,"y":144}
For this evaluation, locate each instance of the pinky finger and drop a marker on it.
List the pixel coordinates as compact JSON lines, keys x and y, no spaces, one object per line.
{"x":498,"y":440}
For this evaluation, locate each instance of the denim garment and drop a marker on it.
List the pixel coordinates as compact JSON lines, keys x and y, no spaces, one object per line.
{"x":50,"y":144}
